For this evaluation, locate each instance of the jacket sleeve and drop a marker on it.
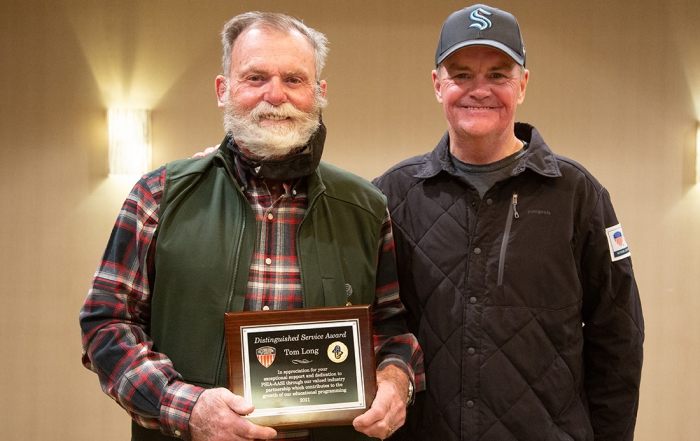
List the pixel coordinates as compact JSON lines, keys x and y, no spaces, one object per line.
{"x":115,"y":318}
{"x":613,"y":328}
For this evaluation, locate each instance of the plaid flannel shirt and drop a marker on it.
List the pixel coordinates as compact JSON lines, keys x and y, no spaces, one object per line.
{"x":116,"y":313}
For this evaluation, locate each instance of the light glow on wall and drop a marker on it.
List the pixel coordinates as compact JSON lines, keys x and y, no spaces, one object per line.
{"x":129,"y":141}
{"x":697,"y":155}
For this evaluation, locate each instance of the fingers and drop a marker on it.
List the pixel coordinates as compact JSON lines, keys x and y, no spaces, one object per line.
{"x":245,"y":430}
{"x":382,"y":419}
{"x":208,"y":151}
{"x":216,"y":416}
{"x":388,"y":410}
{"x":389,"y":432}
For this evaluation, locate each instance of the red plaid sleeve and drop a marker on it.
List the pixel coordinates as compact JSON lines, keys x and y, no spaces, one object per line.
{"x":115,"y":316}
{"x":393,"y":343}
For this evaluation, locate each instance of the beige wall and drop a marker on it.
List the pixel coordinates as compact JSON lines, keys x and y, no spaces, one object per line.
{"x":614,"y":85}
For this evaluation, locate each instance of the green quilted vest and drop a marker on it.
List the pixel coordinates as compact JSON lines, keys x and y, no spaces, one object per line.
{"x":204,"y":245}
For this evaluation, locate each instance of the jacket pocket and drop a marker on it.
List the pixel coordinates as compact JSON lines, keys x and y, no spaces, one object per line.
{"x":512,"y":215}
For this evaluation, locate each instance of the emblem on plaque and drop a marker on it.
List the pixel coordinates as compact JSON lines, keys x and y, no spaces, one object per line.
{"x":337,"y":352}
{"x":266,"y":355}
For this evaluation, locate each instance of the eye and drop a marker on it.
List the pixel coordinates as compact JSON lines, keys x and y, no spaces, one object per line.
{"x":255,"y":78}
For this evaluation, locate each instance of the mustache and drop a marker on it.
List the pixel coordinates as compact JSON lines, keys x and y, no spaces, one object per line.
{"x":284,"y":110}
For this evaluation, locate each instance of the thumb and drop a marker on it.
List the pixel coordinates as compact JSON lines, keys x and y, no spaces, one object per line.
{"x":236,"y":403}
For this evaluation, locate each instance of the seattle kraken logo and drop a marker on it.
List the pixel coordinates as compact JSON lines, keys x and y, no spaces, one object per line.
{"x":481,"y":22}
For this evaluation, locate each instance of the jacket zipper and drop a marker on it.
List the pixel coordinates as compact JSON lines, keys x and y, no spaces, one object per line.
{"x":512,"y":214}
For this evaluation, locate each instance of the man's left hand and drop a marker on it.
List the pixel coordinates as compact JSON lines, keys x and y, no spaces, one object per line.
{"x":388,"y":411}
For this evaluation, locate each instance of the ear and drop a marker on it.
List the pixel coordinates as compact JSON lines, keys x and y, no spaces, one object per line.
{"x":523,"y":86}
{"x":437,"y":86}
{"x":221,"y":85}
{"x":322,"y":85}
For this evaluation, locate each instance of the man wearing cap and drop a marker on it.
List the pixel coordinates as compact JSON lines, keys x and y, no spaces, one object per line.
{"x":512,"y":264}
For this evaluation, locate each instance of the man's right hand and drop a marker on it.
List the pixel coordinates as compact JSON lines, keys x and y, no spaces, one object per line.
{"x":216,"y":416}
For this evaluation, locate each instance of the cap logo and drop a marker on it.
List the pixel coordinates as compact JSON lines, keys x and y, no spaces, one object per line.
{"x":482,"y":22}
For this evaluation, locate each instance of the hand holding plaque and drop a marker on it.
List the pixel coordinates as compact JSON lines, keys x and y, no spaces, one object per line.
{"x":302,"y":367}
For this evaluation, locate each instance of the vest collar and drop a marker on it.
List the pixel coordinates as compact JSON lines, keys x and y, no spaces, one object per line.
{"x":300,"y":164}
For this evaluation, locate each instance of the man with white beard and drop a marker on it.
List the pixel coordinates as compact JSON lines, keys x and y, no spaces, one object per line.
{"x":262,"y":224}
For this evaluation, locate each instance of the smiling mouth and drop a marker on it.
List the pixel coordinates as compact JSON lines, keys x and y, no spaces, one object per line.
{"x":273,"y":117}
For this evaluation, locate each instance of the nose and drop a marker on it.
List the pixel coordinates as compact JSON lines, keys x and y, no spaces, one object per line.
{"x":275,"y":92}
{"x":480,"y":88}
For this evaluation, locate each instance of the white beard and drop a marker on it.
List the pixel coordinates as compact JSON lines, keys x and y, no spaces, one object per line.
{"x":272,"y":141}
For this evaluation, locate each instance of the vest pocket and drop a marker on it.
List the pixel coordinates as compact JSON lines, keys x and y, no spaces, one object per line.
{"x":333,"y":292}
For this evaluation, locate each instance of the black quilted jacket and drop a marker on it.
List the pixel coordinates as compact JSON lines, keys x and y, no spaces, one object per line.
{"x":530,"y":330}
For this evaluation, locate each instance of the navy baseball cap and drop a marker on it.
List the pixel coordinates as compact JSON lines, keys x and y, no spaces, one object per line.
{"x":481,"y":25}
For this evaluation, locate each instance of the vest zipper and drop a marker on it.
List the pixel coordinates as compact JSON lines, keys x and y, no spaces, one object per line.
{"x":222,"y":354}
{"x":512,"y":214}
{"x":299,"y":255}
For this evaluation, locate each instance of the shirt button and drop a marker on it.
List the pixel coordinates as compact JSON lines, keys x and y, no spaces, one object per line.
{"x":472,"y":300}
{"x":178,"y":433}
{"x":268,"y":261}
{"x":477,"y":250}
{"x":489,"y":201}
{"x":266,"y":308}
{"x":471,"y":351}
{"x":270,"y":216}
{"x":470,"y":404}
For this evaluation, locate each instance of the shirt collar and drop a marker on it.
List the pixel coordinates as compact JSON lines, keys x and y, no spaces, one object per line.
{"x":538,"y":157}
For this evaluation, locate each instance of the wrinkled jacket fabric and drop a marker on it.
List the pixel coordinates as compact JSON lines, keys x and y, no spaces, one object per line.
{"x":530,"y":331}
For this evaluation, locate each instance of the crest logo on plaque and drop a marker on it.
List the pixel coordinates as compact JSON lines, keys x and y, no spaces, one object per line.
{"x":337,"y":352}
{"x":266,"y":355}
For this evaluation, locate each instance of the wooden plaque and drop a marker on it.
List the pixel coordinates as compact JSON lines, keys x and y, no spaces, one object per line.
{"x":302,"y":367}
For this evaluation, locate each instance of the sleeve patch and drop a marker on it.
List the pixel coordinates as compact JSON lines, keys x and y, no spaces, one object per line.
{"x":617,"y":243}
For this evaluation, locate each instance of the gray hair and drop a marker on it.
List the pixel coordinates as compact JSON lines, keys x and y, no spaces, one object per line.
{"x":272,"y":21}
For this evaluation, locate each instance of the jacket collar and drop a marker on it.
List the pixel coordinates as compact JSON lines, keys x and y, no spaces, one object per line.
{"x":538,"y":157}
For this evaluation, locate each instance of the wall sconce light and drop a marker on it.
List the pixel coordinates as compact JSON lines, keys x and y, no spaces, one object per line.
{"x":129,"y":141}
